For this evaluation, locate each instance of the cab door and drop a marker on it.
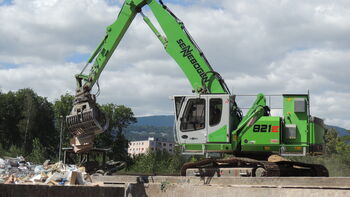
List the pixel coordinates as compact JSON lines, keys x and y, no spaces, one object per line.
{"x":191,"y":119}
{"x":218,"y":129}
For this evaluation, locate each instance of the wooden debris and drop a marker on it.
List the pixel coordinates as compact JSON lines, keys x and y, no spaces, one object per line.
{"x":12,"y":179}
{"x":73,"y":178}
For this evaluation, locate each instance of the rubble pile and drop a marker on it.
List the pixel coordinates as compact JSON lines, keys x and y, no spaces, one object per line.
{"x":18,"y":171}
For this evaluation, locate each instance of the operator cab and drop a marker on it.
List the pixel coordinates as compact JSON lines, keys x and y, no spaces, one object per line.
{"x":203,"y":118}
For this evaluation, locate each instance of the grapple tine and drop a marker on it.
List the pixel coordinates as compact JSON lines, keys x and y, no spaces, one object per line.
{"x":85,"y":121}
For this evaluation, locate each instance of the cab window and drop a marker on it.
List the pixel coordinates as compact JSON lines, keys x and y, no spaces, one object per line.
{"x":178,"y":104}
{"x":194,"y":115}
{"x":215,"y":111}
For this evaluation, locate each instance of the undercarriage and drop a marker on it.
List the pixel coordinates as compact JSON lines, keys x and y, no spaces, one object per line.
{"x":247,"y":167}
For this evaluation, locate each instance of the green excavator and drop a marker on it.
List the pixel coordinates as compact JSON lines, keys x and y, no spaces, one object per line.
{"x":208,"y":122}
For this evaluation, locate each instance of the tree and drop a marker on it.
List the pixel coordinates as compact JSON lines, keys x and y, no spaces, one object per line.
{"x":62,"y":108}
{"x":158,"y":162}
{"x":331,"y":139}
{"x":9,"y":117}
{"x":29,"y":110}
{"x":37,"y":121}
{"x":335,"y":143}
{"x":24,"y":116}
{"x":119,"y":117}
{"x":120,"y":148}
{"x":38,"y":154}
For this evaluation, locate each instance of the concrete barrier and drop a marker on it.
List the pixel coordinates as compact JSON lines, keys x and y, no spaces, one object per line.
{"x":311,"y":182}
{"x":143,"y":186}
{"x":183,"y":190}
{"x":231,"y":186}
{"x":13,"y":190}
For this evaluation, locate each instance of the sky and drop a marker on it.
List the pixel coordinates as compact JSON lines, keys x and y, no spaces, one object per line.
{"x":268,"y":46}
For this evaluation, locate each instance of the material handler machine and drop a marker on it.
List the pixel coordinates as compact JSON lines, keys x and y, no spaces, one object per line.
{"x":209,"y":121}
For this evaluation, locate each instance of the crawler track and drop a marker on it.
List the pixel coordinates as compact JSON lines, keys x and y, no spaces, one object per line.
{"x":260,"y":168}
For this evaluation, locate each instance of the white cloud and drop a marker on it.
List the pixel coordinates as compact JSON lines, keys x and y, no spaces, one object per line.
{"x":267,"y":46}
{"x":49,"y":31}
{"x":48,"y":81}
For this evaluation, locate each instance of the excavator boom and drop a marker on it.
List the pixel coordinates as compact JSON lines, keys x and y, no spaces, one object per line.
{"x":86,"y":119}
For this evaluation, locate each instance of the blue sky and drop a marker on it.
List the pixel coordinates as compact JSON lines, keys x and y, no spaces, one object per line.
{"x":4,"y":65}
{"x":5,"y":2}
{"x":78,"y":58}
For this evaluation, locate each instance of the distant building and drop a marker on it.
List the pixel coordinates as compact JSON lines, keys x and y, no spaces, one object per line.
{"x":152,"y":144}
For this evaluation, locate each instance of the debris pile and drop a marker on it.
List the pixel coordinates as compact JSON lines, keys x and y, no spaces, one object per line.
{"x":18,"y":171}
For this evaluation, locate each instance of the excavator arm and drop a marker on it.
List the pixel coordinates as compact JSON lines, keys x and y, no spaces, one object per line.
{"x":177,"y":42}
{"x":86,"y":120}
{"x":114,"y":33}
